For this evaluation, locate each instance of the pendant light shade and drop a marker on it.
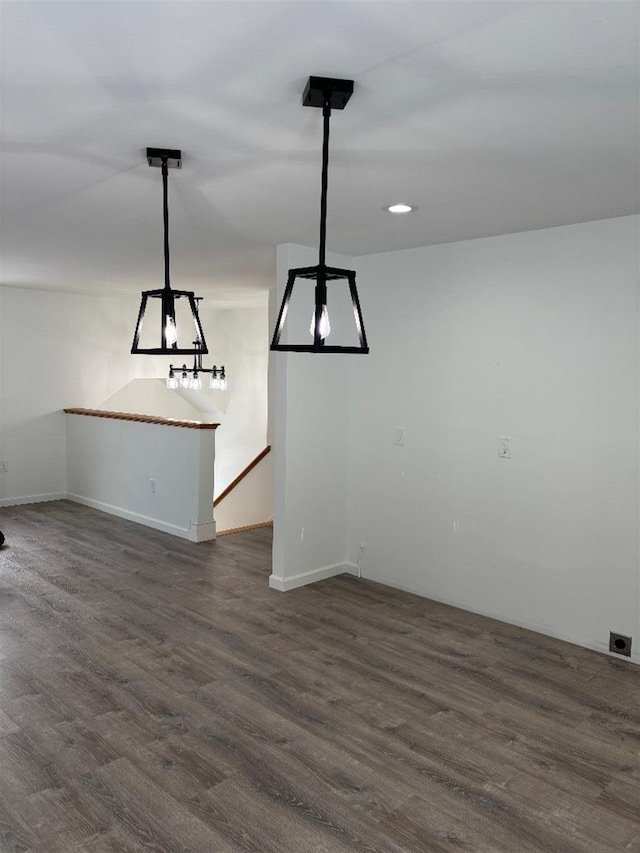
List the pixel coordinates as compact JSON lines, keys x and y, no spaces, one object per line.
{"x":327,"y":93}
{"x":158,"y":307}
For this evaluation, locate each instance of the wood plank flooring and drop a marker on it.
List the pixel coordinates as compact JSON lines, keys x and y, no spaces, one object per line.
{"x":157,"y":696}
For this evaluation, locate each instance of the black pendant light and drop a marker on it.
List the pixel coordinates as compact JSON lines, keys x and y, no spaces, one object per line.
{"x":165,"y":306}
{"x":327,"y":93}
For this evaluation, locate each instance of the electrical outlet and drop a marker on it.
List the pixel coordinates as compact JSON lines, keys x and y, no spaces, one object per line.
{"x":504,"y":447}
{"x":400,"y":434}
{"x":5,"y":467}
{"x":620,"y":644}
{"x":154,"y":486}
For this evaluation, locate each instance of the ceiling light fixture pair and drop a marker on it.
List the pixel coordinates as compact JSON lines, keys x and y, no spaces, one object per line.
{"x":326,"y":93}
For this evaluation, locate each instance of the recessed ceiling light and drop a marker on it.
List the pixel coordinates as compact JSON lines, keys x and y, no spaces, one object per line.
{"x":401,"y":207}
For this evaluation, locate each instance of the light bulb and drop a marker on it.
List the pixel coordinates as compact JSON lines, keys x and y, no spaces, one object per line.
{"x":222,"y":382}
{"x":196,"y":383}
{"x":214,"y":382}
{"x":170,"y":331}
{"x":172,"y":382}
{"x":325,"y":325}
{"x":401,"y":207}
{"x":184,"y":380}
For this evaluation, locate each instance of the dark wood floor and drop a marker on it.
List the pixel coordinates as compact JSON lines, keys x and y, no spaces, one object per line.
{"x":157,"y":696}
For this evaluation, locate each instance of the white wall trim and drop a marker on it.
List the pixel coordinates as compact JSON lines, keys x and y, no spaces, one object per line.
{"x":538,"y":628}
{"x":156,"y":523}
{"x":285,"y":584}
{"x":33,"y":499}
{"x":202,"y":531}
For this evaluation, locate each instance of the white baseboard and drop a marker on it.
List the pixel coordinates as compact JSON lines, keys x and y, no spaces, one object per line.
{"x":33,"y":499}
{"x":285,"y":584}
{"x":156,"y":523}
{"x":202,"y":531}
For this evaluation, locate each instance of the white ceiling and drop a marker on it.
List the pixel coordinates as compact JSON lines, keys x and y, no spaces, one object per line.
{"x":491,"y":117}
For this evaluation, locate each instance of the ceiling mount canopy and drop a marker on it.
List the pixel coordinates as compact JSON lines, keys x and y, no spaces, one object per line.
{"x":163,"y":301}
{"x":326,"y":93}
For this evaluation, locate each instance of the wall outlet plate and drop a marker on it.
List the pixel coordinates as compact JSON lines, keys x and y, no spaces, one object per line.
{"x":620,"y":644}
{"x":504,"y":446}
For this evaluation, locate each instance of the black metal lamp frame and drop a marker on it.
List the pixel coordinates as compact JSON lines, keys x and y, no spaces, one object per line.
{"x":166,"y":158}
{"x":325,"y":92}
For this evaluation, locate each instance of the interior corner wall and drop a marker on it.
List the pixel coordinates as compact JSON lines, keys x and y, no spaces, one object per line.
{"x":532,"y":336}
{"x":311,"y":425}
{"x":58,"y":349}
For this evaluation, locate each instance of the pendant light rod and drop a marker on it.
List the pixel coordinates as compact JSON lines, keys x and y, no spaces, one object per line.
{"x":168,"y":316}
{"x":165,"y":218}
{"x":166,"y":158}
{"x":326,"y":113}
{"x":321,"y":283}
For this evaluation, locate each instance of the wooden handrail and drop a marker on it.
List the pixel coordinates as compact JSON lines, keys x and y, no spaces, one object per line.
{"x":144,"y":419}
{"x":242,"y":474}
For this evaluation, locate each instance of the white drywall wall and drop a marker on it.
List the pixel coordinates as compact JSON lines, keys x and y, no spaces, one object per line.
{"x":311,"y":423}
{"x":58,"y":349}
{"x":157,"y":475}
{"x":73,"y":350}
{"x":533,"y":336}
{"x":152,"y":397}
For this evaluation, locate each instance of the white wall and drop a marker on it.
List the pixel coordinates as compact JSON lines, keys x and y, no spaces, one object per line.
{"x":534,"y":336}
{"x":311,"y":424}
{"x":73,"y":350}
{"x":152,"y":397}
{"x":111,"y":463}
{"x":58,"y":349}
{"x":251,"y":502}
